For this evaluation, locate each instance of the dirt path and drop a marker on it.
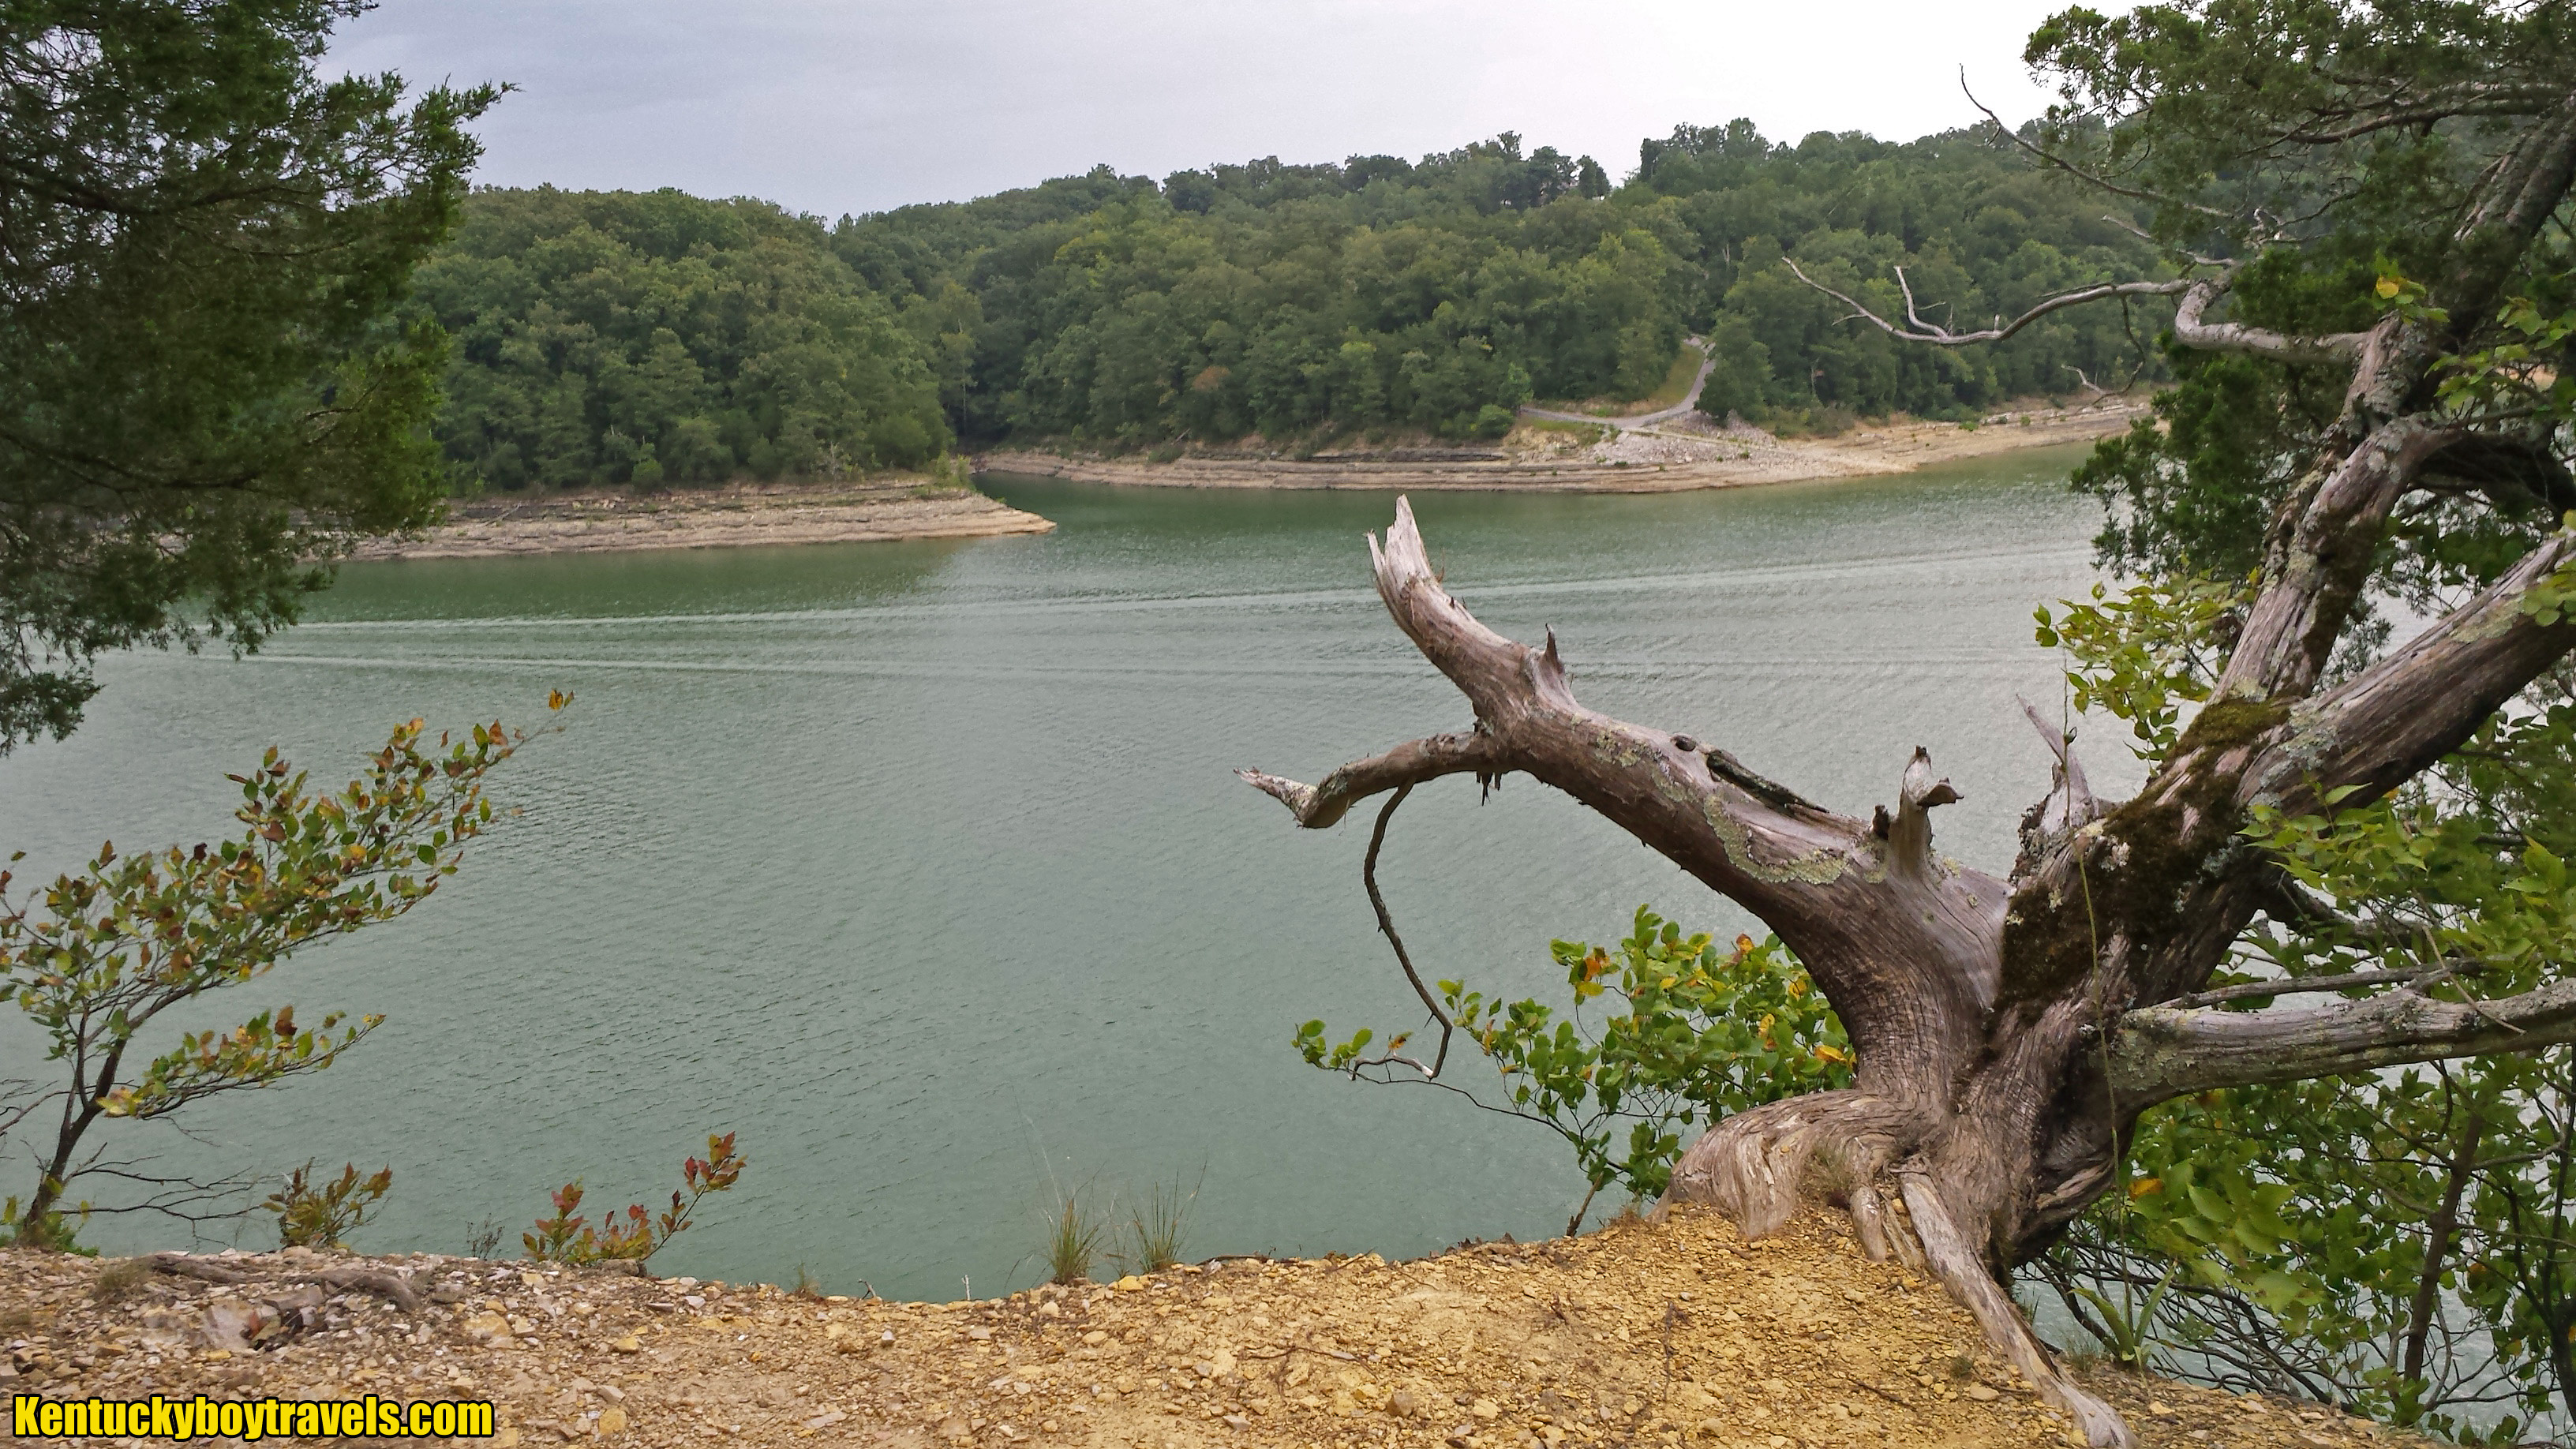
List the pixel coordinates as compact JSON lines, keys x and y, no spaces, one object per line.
{"x":734,"y":515}
{"x":1682,"y":409}
{"x":1688,"y":452}
{"x":1653,"y":1336}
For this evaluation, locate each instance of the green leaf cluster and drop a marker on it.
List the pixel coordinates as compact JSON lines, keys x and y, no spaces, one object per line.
{"x":321,"y":1213}
{"x":1664,"y":1031}
{"x":567,"y":1237}
{"x":102,"y":954}
{"x":2402,"y":1242}
{"x":2143,"y":654}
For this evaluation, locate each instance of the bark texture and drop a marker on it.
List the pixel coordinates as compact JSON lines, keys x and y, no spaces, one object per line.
{"x":2010,"y":1028}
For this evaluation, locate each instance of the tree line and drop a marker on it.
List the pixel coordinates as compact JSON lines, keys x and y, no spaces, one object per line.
{"x":608,"y":338}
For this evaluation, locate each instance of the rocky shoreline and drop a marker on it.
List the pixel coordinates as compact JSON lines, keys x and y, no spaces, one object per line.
{"x":1555,"y":457}
{"x":736,"y":515}
{"x":1666,"y":1334}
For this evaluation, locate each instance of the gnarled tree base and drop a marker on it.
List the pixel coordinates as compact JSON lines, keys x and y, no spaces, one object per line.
{"x":2005,"y":1028}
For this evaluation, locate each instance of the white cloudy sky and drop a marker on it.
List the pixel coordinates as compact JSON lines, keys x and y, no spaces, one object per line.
{"x":838,"y":106}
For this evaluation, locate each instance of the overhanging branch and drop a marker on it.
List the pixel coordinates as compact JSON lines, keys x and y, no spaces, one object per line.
{"x":1409,"y":764}
{"x":1880,"y":921}
{"x":2421,"y":701}
{"x":2193,"y":329}
{"x":2159,"y":1053}
{"x":1918,"y":330}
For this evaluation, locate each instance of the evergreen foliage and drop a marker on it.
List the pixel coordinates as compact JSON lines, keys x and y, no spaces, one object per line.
{"x":204,"y":381}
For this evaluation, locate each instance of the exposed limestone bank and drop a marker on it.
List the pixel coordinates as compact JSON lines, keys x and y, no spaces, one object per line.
{"x":1688,"y":454}
{"x":734,"y":515}
{"x":1673,"y":1334}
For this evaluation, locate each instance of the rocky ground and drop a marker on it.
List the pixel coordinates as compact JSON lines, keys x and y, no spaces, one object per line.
{"x":732,"y":515}
{"x":1686,"y":453}
{"x":1650,"y":1335}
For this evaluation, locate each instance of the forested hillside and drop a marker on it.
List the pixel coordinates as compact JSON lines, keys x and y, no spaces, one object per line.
{"x":609,"y":337}
{"x":612,"y":337}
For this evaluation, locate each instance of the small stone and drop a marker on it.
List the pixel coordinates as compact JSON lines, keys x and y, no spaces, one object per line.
{"x":2159,"y":1408}
{"x":1982,"y":1394}
{"x":1095,"y":1338}
{"x":612,"y":1420}
{"x":1404,"y":1404}
{"x":979,"y":1335}
{"x":1237,"y":1421}
{"x":629,"y":1344}
{"x":953,"y":1429}
{"x":1049,"y":1310}
{"x":825,"y":1420}
{"x":1485,"y":1409}
{"x":1129,"y":1284}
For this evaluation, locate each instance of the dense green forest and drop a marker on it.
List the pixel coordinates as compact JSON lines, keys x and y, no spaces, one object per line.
{"x":608,"y":337}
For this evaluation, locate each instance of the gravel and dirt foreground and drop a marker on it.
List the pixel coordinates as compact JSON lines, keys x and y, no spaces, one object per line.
{"x":732,"y":515}
{"x":1606,"y":456}
{"x":1646,"y":1334}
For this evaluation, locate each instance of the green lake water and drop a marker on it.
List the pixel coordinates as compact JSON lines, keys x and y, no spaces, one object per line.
{"x":923,"y":867}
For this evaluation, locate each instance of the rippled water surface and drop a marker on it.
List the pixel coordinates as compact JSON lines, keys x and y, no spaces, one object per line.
{"x":922,"y":865}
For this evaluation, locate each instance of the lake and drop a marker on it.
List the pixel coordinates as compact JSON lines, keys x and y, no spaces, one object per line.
{"x":923,"y":866}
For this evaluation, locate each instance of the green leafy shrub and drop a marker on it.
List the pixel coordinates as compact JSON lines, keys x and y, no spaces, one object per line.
{"x":1690,"y":1033}
{"x":323,"y":1215}
{"x":128,"y":939}
{"x":568,"y":1238}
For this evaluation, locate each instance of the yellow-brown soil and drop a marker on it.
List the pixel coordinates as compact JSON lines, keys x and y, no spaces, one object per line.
{"x":1647,"y":1334}
{"x":733,"y":515}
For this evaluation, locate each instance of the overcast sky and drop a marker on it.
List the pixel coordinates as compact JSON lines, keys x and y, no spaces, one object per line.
{"x":836,"y":106}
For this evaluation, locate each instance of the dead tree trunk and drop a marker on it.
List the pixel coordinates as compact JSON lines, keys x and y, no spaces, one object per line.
{"x":2003,"y":1048}
{"x":2010,"y":1028}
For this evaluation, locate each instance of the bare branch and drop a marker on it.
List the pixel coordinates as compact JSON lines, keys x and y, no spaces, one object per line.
{"x":391,"y":1286}
{"x":1918,"y":330}
{"x":2070,"y":795}
{"x":2308,"y":986}
{"x":1874,"y":935}
{"x":2162,"y":1052}
{"x":2473,"y":99}
{"x":2418,"y":703}
{"x":2078,"y":172}
{"x":1909,"y":835}
{"x":2192,"y":329}
{"x":2320,"y":562}
{"x":1386,"y":924}
{"x":1407,"y":765}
